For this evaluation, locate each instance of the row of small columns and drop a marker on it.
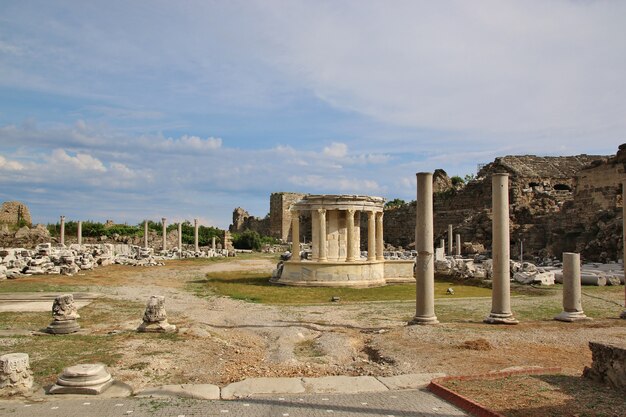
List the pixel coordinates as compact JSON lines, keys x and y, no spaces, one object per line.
{"x":145,"y":233}
{"x":374,"y":236}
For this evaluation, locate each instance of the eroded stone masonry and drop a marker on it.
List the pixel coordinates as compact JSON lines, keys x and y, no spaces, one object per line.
{"x":557,"y":204}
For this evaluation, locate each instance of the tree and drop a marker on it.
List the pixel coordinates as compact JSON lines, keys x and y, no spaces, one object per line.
{"x":457,"y":181}
{"x":248,"y":239}
{"x":396,"y":202}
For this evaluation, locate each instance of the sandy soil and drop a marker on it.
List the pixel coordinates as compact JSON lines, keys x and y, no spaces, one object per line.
{"x":225,"y":340}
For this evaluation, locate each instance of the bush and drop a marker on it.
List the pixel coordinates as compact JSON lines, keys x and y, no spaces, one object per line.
{"x":248,"y":239}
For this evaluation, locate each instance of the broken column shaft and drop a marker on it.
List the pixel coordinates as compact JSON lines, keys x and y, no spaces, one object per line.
{"x":572,"y":298}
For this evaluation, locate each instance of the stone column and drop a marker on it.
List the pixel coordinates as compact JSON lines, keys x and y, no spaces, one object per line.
{"x":458,"y":244}
{"x":62,"y":241}
{"x":164,"y":221}
{"x":371,"y":236}
{"x":350,"y":235}
{"x":79,"y":233}
{"x":380,"y":247}
{"x":323,"y":257}
{"x":623,"y":315}
{"x":213,"y":243}
{"x":442,"y":243}
{"x":295,"y":236}
{"x":180,"y":237}
{"x":501,"y":286}
{"x":195,"y":235}
{"x":450,"y":236}
{"x":425,"y":247}
{"x":145,"y":234}
{"x":572,"y":299}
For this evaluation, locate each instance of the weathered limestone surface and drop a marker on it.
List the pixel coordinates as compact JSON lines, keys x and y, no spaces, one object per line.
{"x":608,"y":364}
{"x":64,"y":315}
{"x":15,"y":374}
{"x":572,"y":295}
{"x":91,"y":379}
{"x":14,"y":212}
{"x":155,"y":317}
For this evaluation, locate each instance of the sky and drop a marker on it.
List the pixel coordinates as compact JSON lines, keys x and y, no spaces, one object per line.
{"x":132,"y":110}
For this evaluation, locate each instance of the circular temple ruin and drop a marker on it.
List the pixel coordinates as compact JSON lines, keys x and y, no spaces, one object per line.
{"x":336,"y":243}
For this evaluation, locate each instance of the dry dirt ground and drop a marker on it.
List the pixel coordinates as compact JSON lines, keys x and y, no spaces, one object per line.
{"x":223,"y":340}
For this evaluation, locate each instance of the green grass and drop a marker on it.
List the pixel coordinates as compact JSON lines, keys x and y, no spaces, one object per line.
{"x":18,"y":285}
{"x":255,"y":287}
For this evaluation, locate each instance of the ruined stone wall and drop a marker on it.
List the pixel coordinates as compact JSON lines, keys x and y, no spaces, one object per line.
{"x":13,"y":211}
{"x":591,"y":223}
{"x":243,"y":221}
{"x":540,"y":187}
{"x":280,"y":216}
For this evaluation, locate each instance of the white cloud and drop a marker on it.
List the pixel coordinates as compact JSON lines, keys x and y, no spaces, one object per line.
{"x":9,"y":165}
{"x":336,"y":150}
{"x":184,"y":143}
{"x":81,"y":162}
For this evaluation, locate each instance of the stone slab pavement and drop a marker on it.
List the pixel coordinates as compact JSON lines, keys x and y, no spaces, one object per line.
{"x":385,"y":403}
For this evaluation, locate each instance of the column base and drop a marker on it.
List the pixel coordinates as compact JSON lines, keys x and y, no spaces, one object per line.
{"x":571,"y":316}
{"x":500,"y":318}
{"x":420,"y":320}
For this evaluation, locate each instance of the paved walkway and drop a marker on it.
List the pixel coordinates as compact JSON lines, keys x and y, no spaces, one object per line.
{"x":389,"y":404}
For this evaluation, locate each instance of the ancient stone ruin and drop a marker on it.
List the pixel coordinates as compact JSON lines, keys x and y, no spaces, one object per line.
{"x":15,"y":374}
{"x":14,"y":213}
{"x":155,"y":317}
{"x":336,"y":256}
{"x":90,"y":379}
{"x":64,"y":315}
{"x":608,"y":364}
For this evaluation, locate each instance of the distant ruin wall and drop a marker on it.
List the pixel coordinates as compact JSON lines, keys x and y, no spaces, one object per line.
{"x":242,"y":221}
{"x":14,"y":212}
{"x":280,"y":216}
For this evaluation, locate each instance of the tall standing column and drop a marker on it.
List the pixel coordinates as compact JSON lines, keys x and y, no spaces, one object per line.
{"x":195,"y":235}
{"x":79,"y":232}
{"x":425,"y":247}
{"x":164,"y":222}
{"x":295,"y":236}
{"x":623,"y":315}
{"x":501,"y":284}
{"x":62,"y":240}
{"x":458,"y":244}
{"x":213,"y":244}
{"x":371,"y":236}
{"x":323,"y":250}
{"x":350,"y":238}
{"x":450,"y":236}
{"x":380,"y":247}
{"x":572,"y":299}
{"x":180,"y":237}
{"x":145,"y":234}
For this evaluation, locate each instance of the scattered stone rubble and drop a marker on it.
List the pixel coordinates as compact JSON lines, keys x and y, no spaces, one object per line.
{"x":47,"y":258}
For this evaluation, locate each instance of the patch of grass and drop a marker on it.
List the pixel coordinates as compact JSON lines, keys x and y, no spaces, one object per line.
{"x":255,"y":287}
{"x":40,"y":283}
{"x":308,"y":349}
{"x":49,"y":354}
{"x":24,"y":320}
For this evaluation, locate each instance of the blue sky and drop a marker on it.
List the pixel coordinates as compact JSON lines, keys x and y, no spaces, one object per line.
{"x":130,"y":110}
